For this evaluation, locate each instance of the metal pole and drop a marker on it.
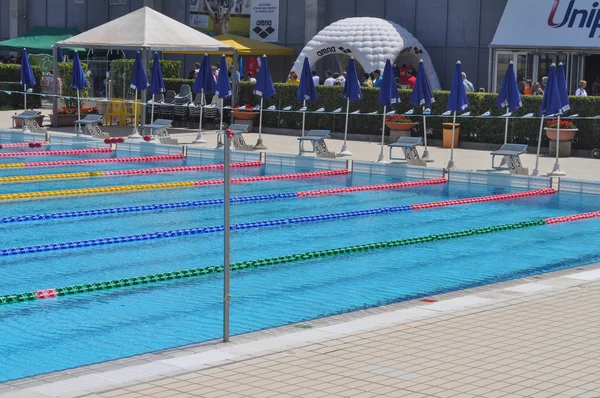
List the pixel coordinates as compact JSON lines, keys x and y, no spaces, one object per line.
{"x":451,"y":162}
{"x":152,"y":112}
{"x":506,"y":130}
{"x":536,"y":171}
{"x":259,"y":143}
{"x":556,"y":171}
{"x":199,"y":139}
{"x":54,"y":86}
{"x":78,"y":112}
{"x":381,"y":158}
{"x":25,"y":96}
{"x":344,"y":151}
{"x":226,"y":224}
{"x":426,"y":151}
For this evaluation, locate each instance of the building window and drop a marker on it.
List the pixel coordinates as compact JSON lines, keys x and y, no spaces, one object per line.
{"x":118,"y":2}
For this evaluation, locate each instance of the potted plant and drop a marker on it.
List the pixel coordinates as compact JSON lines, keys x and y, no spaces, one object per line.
{"x":567,"y":133}
{"x":245,"y":112}
{"x":39,"y":119}
{"x":399,"y":123}
{"x":68,"y":115}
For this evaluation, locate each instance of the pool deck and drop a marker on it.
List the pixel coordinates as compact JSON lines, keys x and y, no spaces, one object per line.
{"x":532,"y":337}
{"x":535,"y":337}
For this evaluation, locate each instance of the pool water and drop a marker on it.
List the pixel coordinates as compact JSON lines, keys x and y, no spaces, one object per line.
{"x":47,"y":335}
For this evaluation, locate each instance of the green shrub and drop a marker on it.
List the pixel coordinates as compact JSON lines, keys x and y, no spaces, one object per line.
{"x":10,"y":76}
{"x":122,"y":71}
{"x":65,"y":73}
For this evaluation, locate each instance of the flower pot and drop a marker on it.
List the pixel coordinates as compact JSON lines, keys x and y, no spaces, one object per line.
{"x":400,"y":126}
{"x":565,"y":134}
{"x":244,"y":115}
{"x":64,"y":120}
{"x":39,"y":120}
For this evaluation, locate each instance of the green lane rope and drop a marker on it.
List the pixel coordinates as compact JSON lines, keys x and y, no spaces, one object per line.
{"x":155,"y":278}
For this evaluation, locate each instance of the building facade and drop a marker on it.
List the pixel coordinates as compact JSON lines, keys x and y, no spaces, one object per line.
{"x":450,"y":30}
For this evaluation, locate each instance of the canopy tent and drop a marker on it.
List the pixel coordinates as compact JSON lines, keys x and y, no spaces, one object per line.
{"x":40,"y":39}
{"x":371,"y":41}
{"x":145,"y":30}
{"x":248,"y":47}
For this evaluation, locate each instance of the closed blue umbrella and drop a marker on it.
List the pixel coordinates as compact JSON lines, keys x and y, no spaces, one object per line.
{"x":351,"y":92}
{"x":139,"y":81}
{"x":509,"y":97}
{"x":204,"y":85}
{"x":457,"y":101}
{"x":223,"y":86}
{"x":551,"y":105}
{"x":388,"y":96}
{"x":27,"y":78}
{"x":306,"y":90}
{"x":422,"y":96}
{"x":59,"y":55}
{"x":264,"y":89}
{"x":78,"y":82}
{"x":157,"y":84}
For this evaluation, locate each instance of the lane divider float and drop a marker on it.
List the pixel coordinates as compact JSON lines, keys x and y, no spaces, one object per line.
{"x":55,"y":163}
{"x":289,"y":259}
{"x":167,"y":185}
{"x":35,"y":144}
{"x":217,"y":202}
{"x":210,"y":230}
{"x":56,"y":153}
{"x":116,"y":173}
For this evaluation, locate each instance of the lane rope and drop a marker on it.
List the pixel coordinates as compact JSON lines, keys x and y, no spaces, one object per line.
{"x":217,"y":202}
{"x":55,"y":153}
{"x":166,"y":185}
{"x":118,"y":173}
{"x":235,"y":227}
{"x":23,"y":144}
{"x":252,"y":264}
{"x":54,"y":163}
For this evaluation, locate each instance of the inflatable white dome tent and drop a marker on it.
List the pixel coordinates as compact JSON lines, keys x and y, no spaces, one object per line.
{"x":371,"y":41}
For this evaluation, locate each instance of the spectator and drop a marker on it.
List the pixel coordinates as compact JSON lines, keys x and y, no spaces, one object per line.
{"x":293,"y":78}
{"x":316,"y":79}
{"x":377,"y":78}
{"x":596,"y":86}
{"x":230,"y":73}
{"x":342,"y":78}
{"x":536,"y":89}
{"x":544,"y":80}
{"x":329,"y":81}
{"x":251,"y":78}
{"x":215,"y":72}
{"x":194,"y":72}
{"x":527,"y":88}
{"x":366,"y":80}
{"x":482,"y":90}
{"x":412,"y":80}
{"x":404,"y":76}
{"x":581,"y":90}
{"x":398,"y":83}
{"x":469,"y":87}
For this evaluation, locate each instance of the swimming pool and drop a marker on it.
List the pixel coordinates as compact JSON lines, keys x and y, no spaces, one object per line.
{"x":47,"y":335}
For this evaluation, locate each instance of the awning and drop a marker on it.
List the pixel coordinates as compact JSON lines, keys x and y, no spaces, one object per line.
{"x":246,"y":46}
{"x":558,"y":24}
{"x":40,"y":39}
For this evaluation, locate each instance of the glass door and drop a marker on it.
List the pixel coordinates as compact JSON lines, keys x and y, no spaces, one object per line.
{"x":502,"y":61}
{"x":523,"y":65}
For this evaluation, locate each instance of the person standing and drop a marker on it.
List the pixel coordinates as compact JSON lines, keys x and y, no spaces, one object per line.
{"x":469,"y":87}
{"x":251,"y":78}
{"x":412,"y":80}
{"x":293,"y":78}
{"x":342,"y":78}
{"x":316,"y":79}
{"x":377,"y":78}
{"x":581,"y":92}
{"x":328,"y":79}
{"x":404,"y":76}
{"x":366,"y":80}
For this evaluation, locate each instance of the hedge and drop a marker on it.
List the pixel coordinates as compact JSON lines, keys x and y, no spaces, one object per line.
{"x":122,"y":71}
{"x":65,"y":73}
{"x":491,"y":131}
{"x":10,"y":76}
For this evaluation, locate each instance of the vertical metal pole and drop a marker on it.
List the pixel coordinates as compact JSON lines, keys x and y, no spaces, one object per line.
{"x":451,"y":162}
{"x":25,"y":95}
{"x":536,"y":171}
{"x":54,"y":122}
{"x":381,"y":158}
{"x":78,"y":112}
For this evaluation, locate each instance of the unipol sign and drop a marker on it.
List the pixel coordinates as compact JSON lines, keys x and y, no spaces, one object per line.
{"x":576,"y":16}
{"x":556,"y":24}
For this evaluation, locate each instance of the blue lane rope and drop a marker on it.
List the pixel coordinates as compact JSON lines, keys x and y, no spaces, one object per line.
{"x":198,"y":231}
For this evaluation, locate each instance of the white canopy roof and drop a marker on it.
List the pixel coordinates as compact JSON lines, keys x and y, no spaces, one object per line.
{"x":543,"y":23}
{"x":145,"y":29}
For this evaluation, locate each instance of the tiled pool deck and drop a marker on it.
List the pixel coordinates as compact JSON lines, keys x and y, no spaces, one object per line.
{"x":533,"y":337}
